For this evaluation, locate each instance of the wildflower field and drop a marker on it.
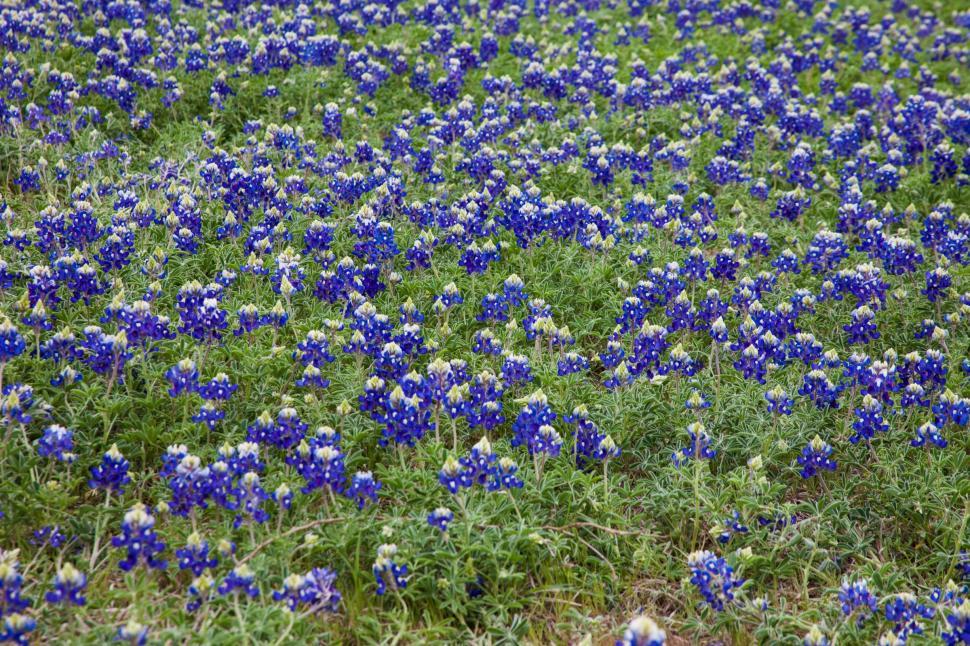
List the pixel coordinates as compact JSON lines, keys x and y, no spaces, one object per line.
{"x":522,"y":321}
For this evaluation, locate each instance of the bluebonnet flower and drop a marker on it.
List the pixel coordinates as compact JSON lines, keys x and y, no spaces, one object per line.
{"x":277,"y":317}
{"x":699,"y":447}
{"x":42,"y":286}
{"x":190,"y":485}
{"x":450,"y":296}
{"x":283,"y":496}
{"x":315,"y":590}
{"x":171,"y":459}
{"x":421,"y":251}
{"x":728,"y":528}
{"x":242,"y":458}
{"x":199,"y":312}
{"x":546,"y":441}
{"x":16,"y":628}
{"x":106,"y":354}
{"x":209,"y":414}
{"x":804,"y":346}
{"x":681,"y":362}
{"x":725,"y":265}
{"x":405,"y":419}
{"x":791,"y":205}
{"x":815,"y":637}
{"x":958,"y":624}
{"x":115,"y":252}
{"x":410,"y":313}
{"x":141,"y":325}
{"x":485,"y":342}
{"x":950,"y":408}
{"x":571,"y":363}
{"x":786,"y":263}
{"x":391,"y":363}
{"x":440,"y":518}
{"x":49,"y":535}
{"x":320,"y":466}
{"x":928,"y":434}
{"x":332,"y":120}
{"x":513,"y":289}
{"x":372,"y":399}
{"x":140,"y":540}
{"x":411,"y":340}
{"x":502,"y":476}
{"x":587,"y":436}
{"x":938,"y":281}
{"x":12,"y":344}
{"x":475,"y":259}
{"x":363,"y":488}
{"x":314,"y":350}
{"x":633,"y":316}
{"x":815,"y":457}
{"x":249,"y":495}
{"x":887,"y":178}
{"x":516,"y":369}
{"x":66,"y":377}
{"x":200,"y":591}
{"x":69,"y":586}
{"x":880,"y":381}
{"x":819,"y":388}
{"x":719,"y":331}
{"x":217,"y":389}
{"x":11,"y":581}
{"x":16,"y":401}
{"x":606,"y":450}
{"x":681,"y":312}
{"x":906,"y":610}
{"x":713,"y":578}
{"x":932,"y":370}
{"x":913,"y":395}
{"x":453,"y":477}
{"x":863,"y":328}
{"x":869,"y":420}
{"x":61,"y":347}
{"x":263,"y":430}
{"x":288,"y":430}
{"x":535,"y":414}
{"x":620,"y":376}
{"x":753,"y":363}
{"x":858,"y":599}
{"x":249,"y":320}
{"x":240,"y":579}
{"x":643,"y":631}
{"x":57,"y":443}
{"x":779,"y":403}
{"x":485,"y":401}
{"x":477,"y":465}
{"x":388,"y":571}
{"x":288,"y":277}
{"x":195,"y":555}
{"x":112,"y":473}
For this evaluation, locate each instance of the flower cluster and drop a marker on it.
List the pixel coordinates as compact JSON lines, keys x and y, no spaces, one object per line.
{"x":140,"y":540}
{"x":714,"y":579}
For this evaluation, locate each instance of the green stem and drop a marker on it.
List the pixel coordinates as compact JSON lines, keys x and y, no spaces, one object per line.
{"x":99,"y":526}
{"x":239,"y":618}
{"x":606,"y":481}
{"x":959,"y":538}
{"x":697,"y":499}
